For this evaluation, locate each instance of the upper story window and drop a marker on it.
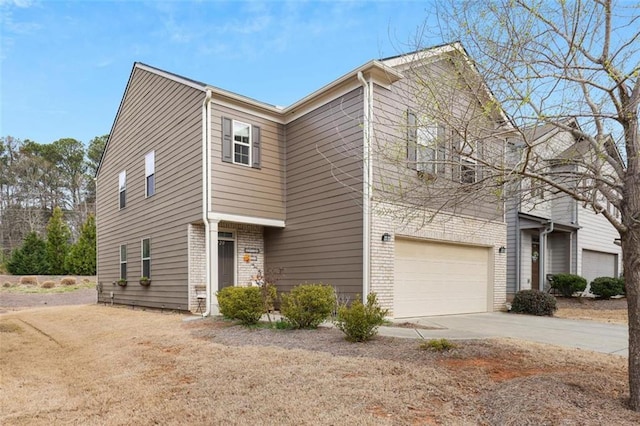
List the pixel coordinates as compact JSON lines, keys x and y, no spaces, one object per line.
{"x":150,"y":173}
{"x":468,"y":165}
{"x":426,"y":145}
{"x":240,"y":143}
{"x":122,"y":189}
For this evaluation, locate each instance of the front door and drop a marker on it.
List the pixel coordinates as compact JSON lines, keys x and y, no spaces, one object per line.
{"x":226,"y":269}
{"x":535,"y":264}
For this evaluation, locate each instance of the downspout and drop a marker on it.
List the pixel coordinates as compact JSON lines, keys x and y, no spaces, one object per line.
{"x":366,"y":186}
{"x":543,"y":254}
{"x":206,"y":158}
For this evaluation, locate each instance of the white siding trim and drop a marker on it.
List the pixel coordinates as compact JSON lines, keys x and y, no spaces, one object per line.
{"x":226,"y":217}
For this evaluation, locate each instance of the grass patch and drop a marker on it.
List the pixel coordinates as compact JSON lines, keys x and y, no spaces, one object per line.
{"x":27,"y":289}
{"x":437,"y":345}
{"x":9,"y":327}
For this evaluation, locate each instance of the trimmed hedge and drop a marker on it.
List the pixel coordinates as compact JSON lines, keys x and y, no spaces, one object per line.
{"x":308,"y":305}
{"x":567,"y":284}
{"x":606,"y":287}
{"x":242,"y":303}
{"x":534,"y":302}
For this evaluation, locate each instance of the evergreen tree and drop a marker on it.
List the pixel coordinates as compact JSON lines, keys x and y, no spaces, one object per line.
{"x":29,"y":258}
{"x":57,"y":245}
{"x":81,"y":259}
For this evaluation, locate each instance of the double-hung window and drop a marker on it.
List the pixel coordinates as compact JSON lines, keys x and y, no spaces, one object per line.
{"x":240,"y":143}
{"x":468,"y":164}
{"x":123,"y":262}
{"x":146,"y":257}
{"x":426,"y":145}
{"x":122,"y":189}
{"x":150,"y":173}
{"x":426,"y":148}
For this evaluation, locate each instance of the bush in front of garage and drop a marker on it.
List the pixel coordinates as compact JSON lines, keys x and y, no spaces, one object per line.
{"x":606,"y":287}
{"x":308,"y":305}
{"x":568,"y":284}
{"x":534,"y":302}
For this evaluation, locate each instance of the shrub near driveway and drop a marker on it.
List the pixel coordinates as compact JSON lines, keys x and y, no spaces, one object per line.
{"x":360,"y":322}
{"x":533,"y":302}
{"x":606,"y":287}
{"x":308,"y":305}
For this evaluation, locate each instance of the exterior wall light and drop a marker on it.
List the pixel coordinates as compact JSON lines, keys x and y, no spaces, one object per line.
{"x":386,"y":237}
{"x":502,"y":250}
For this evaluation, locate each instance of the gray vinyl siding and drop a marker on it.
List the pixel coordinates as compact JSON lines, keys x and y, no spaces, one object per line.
{"x":165,"y":116}
{"x":395,"y":181}
{"x":512,"y":245}
{"x":322,"y":240}
{"x":242,"y":190}
{"x":559,"y":246}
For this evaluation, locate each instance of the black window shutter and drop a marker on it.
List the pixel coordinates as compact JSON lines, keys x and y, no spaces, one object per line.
{"x":412,"y":139}
{"x":227,"y":143}
{"x":441,"y":145}
{"x":255,"y":147}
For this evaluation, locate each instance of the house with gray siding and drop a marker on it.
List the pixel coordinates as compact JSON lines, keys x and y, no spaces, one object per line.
{"x":202,"y":188}
{"x":548,"y":231}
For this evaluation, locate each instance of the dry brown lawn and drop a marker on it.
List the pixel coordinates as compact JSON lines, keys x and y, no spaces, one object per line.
{"x":612,"y":311}
{"x":104,"y":365}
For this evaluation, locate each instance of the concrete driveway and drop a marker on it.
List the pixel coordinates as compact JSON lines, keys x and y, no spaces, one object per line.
{"x":590,"y":335}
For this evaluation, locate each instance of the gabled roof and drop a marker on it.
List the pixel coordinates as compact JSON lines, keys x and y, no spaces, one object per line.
{"x":423,"y":56}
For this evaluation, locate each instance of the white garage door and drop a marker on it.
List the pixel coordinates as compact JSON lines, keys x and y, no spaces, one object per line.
{"x":598,"y":264}
{"x":439,"y":279}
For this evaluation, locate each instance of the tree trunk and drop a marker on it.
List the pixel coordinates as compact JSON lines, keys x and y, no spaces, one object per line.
{"x":631,"y":263}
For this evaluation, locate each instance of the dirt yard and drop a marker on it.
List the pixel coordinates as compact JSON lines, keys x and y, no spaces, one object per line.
{"x":104,"y":365}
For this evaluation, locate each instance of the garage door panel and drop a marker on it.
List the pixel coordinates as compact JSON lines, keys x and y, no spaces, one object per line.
{"x":598,"y":264}
{"x":437,"y":279}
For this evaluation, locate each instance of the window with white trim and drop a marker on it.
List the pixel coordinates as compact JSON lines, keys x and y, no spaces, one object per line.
{"x":123,"y":262}
{"x":468,"y":164}
{"x":146,"y":257}
{"x":240,"y":143}
{"x":122,"y":189}
{"x":426,"y":148}
{"x":150,"y":173}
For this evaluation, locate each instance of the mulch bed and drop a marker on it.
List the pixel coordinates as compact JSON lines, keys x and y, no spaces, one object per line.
{"x":591,"y":303}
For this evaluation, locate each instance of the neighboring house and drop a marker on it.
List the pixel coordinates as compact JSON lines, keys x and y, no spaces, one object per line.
{"x":201,"y":186}
{"x":550,"y":232}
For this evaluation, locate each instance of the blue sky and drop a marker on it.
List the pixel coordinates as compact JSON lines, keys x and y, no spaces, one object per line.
{"x":65,"y":64}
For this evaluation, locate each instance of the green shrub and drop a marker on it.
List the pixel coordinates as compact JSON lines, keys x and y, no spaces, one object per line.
{"x":360,"y":322}
{"x":438,"y":345}
{"x":567,"y":284}
{"x":605,"y":287}
{"x":308,"y":305}
{"x":533,"y":302}
{"x":241,"y":303}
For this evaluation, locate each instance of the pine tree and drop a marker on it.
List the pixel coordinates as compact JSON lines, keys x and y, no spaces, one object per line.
{"x":29,"y":258}
{"x":81,"y":259}
{"x":58,"y":236}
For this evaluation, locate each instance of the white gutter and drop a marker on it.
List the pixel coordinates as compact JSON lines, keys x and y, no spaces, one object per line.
{"x":206,"y":199}
{"x":366,"y":186}
{"x":543,"y":254}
